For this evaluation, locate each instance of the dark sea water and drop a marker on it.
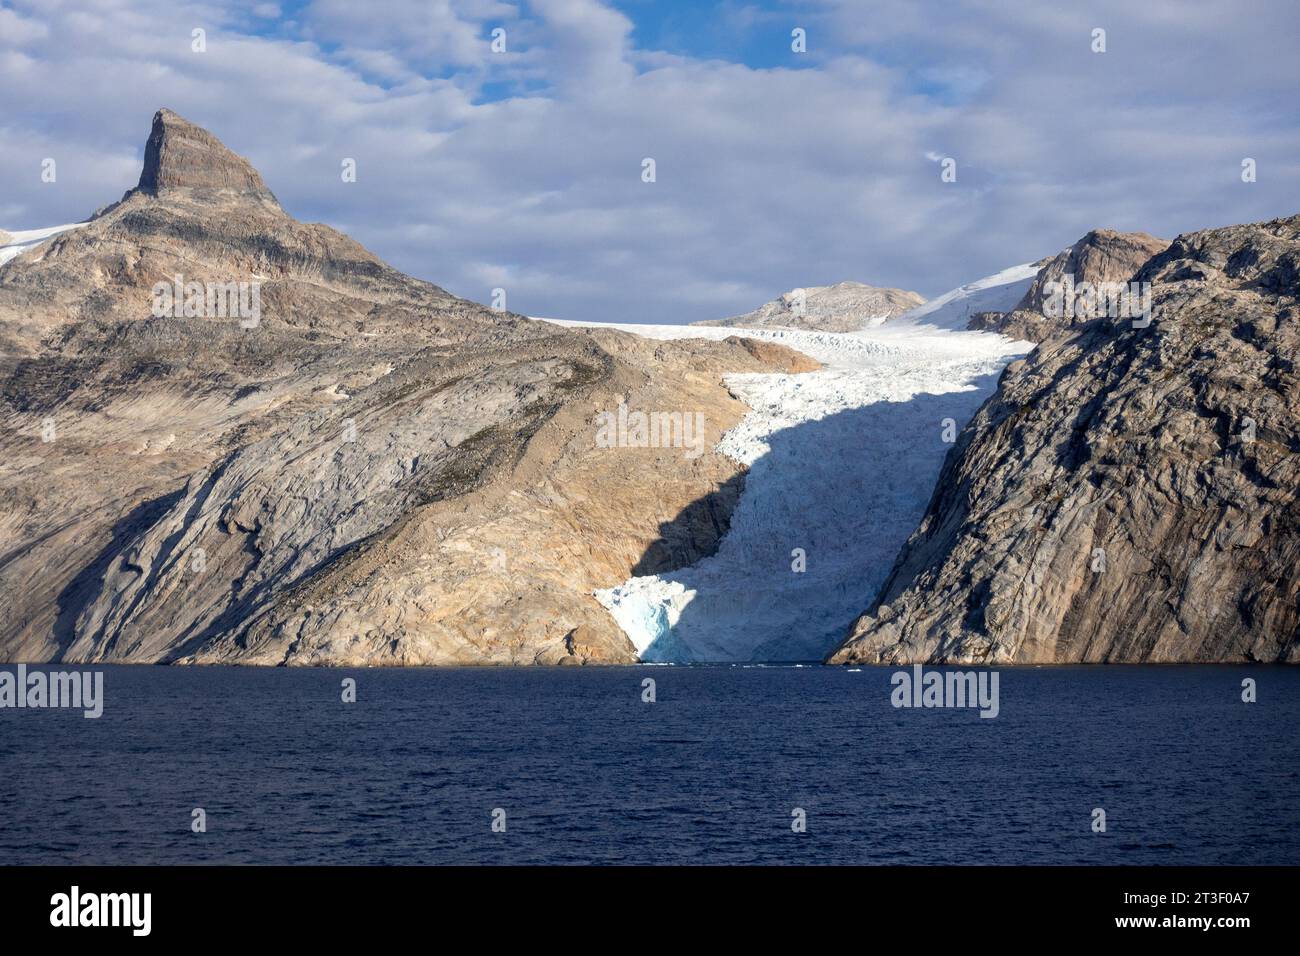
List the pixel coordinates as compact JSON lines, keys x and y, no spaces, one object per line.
{"x":586,"y":772}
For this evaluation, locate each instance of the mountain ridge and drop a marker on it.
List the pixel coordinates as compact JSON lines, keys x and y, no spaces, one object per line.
{"x":172,"y":478}
{"x":1129,"y":493}
{"x":843,"y":307}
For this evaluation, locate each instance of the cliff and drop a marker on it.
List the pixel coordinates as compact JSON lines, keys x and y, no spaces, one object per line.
{"x":1128,"y":494}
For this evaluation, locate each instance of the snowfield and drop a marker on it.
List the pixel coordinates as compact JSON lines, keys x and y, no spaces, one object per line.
{"x":842,"y":463}
{"x":996,"y":293}
{"x":20,"y":242}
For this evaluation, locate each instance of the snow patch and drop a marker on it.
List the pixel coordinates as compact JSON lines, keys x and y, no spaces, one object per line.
{"x":20,"y":242}
{"x":996,"y":293}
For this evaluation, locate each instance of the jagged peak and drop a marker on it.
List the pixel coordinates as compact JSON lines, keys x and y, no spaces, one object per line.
{"x":180,"y":155}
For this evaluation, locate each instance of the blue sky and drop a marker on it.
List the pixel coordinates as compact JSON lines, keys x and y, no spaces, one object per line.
{"x":522,"y":170}
{"x":755,"y":34}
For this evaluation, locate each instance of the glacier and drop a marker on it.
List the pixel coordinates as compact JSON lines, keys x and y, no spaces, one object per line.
{"x":841,"y":465}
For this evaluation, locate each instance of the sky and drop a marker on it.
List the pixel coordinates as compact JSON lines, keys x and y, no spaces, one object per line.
{"x":522,"y":169}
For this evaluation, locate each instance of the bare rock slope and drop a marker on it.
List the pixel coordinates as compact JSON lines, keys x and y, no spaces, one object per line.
{"x":370,"y":470}
{"x":843,"y":307}
{"x":1127,"y":494}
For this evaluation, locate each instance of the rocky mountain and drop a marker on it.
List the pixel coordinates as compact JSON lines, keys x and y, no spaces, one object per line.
{"x":1102,"y":256}
{"x":843,"y":307}
{"x":231,"y":436}
{"x":1128,"y":494}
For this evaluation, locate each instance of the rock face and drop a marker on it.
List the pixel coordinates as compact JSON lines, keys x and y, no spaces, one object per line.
{"x":1102,"y":256}
{"x":180,"y":156}
{"x":775,"y":356}
{"x":1128,"y":494}
{"x":363,"y":469}
{"x":843,"y":307}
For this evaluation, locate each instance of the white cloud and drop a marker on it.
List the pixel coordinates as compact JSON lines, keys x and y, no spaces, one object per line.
{"x":15,"y":30}
{"x":768,"y":179}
